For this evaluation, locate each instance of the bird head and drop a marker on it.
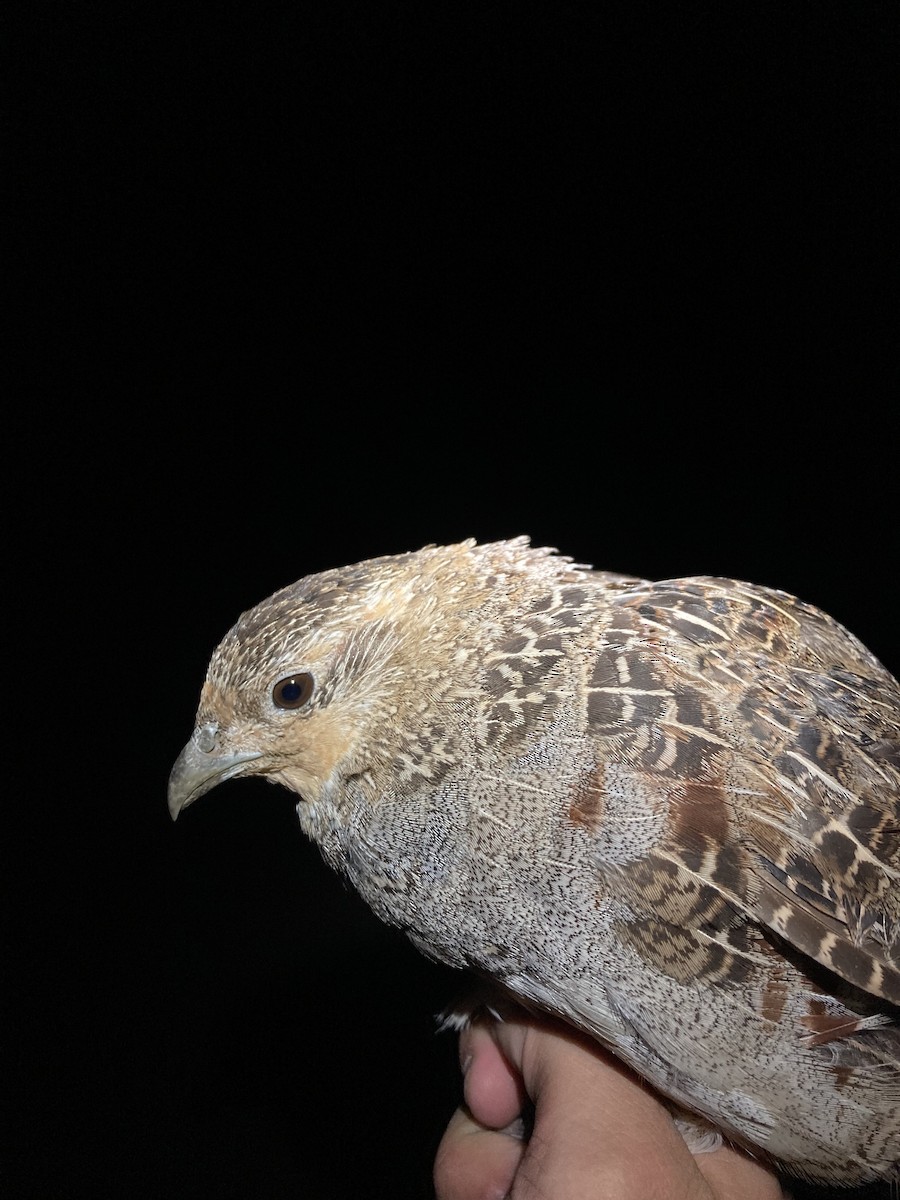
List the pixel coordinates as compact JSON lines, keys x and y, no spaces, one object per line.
{"x":293,"y":687}
{"x":347,"y":670}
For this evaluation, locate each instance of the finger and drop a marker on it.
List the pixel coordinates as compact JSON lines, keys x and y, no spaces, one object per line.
{"x":599,"y":1134}
{"x":474,"y":1163}
{"x":731,"y":1175}
{"x":599,"y":1131}
{"x":493,"y":1088}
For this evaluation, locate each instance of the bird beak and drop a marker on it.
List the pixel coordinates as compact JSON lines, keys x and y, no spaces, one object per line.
{"x":201,"y":766}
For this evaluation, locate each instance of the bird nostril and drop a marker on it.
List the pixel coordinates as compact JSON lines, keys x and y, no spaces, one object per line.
{"x":207,"y":738}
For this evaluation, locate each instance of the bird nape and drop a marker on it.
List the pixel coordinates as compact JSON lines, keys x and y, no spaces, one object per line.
{"x":668,"y":813}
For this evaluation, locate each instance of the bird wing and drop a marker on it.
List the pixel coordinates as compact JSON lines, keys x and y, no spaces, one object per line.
{"x":770,"y":737}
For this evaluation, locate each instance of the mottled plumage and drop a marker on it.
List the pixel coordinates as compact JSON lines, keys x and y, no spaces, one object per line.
{"x":668,"y":813}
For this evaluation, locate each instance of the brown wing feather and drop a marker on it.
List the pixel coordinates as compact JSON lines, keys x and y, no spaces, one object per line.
{"x":775,"y":737}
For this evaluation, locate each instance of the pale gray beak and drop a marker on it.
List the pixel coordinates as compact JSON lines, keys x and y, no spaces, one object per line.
{"x":201,"y":766}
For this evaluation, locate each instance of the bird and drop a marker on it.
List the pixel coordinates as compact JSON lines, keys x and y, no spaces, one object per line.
{"x":666,"y":813}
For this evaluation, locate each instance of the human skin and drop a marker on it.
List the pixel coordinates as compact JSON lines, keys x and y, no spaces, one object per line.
{"x":598,"y":1132}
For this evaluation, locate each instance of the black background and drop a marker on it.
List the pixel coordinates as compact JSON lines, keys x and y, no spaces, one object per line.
{"x":306,"y":285}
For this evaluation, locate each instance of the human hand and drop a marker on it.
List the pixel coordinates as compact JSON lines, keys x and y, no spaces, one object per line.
{"x":598,"y":1134}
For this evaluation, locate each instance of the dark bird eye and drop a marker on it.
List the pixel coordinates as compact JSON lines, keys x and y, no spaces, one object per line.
{"x":293,"y":692}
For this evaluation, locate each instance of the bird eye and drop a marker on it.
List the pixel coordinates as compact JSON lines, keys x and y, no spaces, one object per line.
{"x":293,"y":692}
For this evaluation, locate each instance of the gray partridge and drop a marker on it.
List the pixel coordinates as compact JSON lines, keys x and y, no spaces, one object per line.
{"x":668,"y":813}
